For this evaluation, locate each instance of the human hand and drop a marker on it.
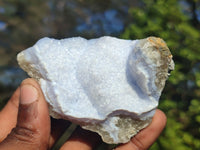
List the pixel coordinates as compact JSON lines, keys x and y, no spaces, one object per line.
{"x":25,"y":124}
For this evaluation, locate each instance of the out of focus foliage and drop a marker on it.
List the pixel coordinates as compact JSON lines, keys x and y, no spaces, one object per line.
{"x":181,"y":97}
{"x":23,"y":22}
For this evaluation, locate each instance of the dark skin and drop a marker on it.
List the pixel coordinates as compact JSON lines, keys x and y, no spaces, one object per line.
{"x":25,"y":124}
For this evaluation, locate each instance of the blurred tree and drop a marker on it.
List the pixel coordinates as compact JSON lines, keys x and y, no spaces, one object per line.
{"x":91,"y":18}
{"x":181,"y":97}
{"x":24,"y":21}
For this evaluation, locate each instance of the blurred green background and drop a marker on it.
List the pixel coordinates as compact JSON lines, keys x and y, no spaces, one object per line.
{"x":23,"y":22}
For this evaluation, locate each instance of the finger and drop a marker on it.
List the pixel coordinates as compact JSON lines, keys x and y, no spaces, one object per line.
{"x":82,"y":139}
{"x":146,"y":137}
{"x":33,"y":124}
{"x":8,"y":115}
{"x":58,"y":127}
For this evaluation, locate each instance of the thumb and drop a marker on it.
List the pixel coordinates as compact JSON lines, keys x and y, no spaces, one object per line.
{"x":33,"y":123}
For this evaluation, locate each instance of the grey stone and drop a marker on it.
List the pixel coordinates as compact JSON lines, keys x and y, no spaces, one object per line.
{"x":107,"y":85}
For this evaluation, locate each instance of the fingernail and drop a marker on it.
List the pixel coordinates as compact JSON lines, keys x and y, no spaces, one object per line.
{"x":28,"y":94}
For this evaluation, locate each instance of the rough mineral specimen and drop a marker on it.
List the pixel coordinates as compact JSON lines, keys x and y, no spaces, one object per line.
{"x":107,"y":85}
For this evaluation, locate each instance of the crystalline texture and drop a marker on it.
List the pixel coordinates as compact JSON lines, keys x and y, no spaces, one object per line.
{"x":107,"y":85}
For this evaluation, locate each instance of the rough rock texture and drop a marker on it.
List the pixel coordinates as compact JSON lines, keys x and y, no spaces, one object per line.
{"x":107,"y":85}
